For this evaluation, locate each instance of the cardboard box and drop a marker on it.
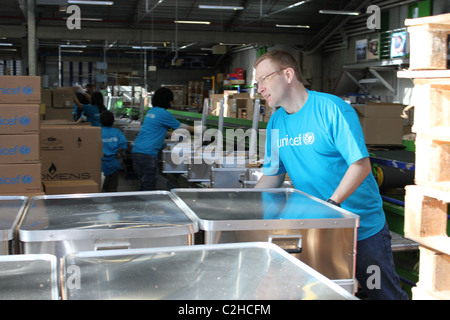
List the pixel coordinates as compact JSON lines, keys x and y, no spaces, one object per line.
{"x":58,"y":114}
{"x":379,"y":110}
{"x":20,"y":178}
{"x":23,"y":148}
{"x":71,"y":152}
{"x":71,"y":186}
{"x":381,"y":123}
{"x":20,"y":89}
{"x":19,"y":118}
{"x":47,"y":97}
{"x":63,"y":97}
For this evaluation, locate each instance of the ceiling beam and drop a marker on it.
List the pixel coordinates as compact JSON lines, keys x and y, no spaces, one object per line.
{"x":124,"y":34}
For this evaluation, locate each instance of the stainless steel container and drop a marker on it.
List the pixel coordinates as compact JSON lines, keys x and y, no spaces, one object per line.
{"x":255,"y":271}
{"x":199,"y":165}
{"x":319,"y":234}
{"x":251,"y":176}
{"x":11,"y":210}
{"x":28,"y":277}
{"x":63,"y":224}
{"x":227,"y":173}
{"x":174,"y":157}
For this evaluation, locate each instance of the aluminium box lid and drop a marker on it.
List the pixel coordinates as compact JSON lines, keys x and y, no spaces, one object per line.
{"x":144,"y":214}
{"x":252,"y":271}
{"x":11,"y":210}
{"x":28,"y":277}
{"x":227,"y":209}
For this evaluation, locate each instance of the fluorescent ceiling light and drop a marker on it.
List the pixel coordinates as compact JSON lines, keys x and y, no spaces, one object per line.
{"x":6,"y":44}
{"x":348,"y":13}
{"x":202,"y":6}
{"x":192,"y":22}
{"x":100,"y":3}
{"x":72,"y":46}
{"x":292,"y":26}
{"x":146,"y":48}
{"x":297,"y":4}
{"x":188,"y":45}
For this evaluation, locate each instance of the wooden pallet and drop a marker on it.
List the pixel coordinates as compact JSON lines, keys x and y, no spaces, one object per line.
{"x":431,"y":99}
{"x":434,"y":276}
{"x":428,"y":41}
{"x":426,"y":217}
{"x":432,"y":167}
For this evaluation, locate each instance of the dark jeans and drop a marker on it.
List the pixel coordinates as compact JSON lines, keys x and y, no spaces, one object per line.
{"x":375,"y":270}
{"x":146,"y":169}
{"x":111,"y":182}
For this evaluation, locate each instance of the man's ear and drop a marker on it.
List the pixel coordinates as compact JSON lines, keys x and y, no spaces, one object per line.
{"x":289,"y":74}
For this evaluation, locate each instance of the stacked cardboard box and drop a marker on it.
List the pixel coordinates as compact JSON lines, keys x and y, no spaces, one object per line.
{"x":58,"y":103}
{"x":381,"y":122}
{"x":195,"y":93}
{"x":238,"y":105}
{"x":20,"y":167}
{"x":71,"y":156}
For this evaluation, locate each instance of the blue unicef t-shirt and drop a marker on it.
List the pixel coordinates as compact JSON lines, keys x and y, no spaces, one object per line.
{"x":113,"y":140}
{"x":150,"y":139}
{"x":92,"y":114}
{"x":315,"y":146}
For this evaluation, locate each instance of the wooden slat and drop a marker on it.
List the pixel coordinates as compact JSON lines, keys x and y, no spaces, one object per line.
{"x":426,"y":217}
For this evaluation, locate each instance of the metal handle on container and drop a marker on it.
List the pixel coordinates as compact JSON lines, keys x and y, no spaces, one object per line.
{"x":291,"y":243}
{"x":115,"y":244}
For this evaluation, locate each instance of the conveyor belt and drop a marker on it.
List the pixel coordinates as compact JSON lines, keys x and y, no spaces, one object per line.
{"x":400,"y":159}
{"x":399,"y":243}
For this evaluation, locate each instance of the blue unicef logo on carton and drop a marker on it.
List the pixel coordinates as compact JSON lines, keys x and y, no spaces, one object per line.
{"x":27,"y":90}
{"x":27,"y":179}
{"x":25,"y":121}
{"x":25,"y":150}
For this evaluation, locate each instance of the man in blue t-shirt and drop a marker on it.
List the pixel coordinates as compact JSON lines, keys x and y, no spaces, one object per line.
{"x":150,"y":139}
{"x":317,"y":139}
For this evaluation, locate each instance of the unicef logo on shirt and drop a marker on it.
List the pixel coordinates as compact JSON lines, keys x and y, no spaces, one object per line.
{"x":308,"y":138}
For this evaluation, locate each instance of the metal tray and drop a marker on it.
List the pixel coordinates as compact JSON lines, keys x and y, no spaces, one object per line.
{"x":319,"y":234}
{"x":11,"y":210}
{"x":254,"y":271}
{"x":28,"y":277}
{"x":62,"y":224}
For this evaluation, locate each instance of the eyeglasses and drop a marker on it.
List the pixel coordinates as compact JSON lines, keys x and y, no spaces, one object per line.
{"x":263,"y":79}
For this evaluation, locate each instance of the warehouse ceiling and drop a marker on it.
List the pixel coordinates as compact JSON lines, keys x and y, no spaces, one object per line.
{"x":129,"y":26}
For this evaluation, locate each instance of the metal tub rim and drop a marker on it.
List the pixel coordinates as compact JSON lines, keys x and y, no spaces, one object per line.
{"x":107,"y":233}
{"x":350,"y":220}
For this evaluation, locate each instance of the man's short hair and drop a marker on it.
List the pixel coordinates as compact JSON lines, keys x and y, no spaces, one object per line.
{"x":282,"y":59}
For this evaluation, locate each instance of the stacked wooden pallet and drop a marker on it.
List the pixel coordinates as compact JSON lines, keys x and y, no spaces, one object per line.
{"x":426,"y":203}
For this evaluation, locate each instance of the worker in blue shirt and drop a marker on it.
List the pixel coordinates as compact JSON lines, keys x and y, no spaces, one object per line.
{"x":113,"y":142}
{"x":150,"y":139}
{"x":317,"y":139}
{"x":93,"y":109}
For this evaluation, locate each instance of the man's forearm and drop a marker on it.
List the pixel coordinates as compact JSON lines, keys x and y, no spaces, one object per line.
{"x":267,"y":182}
{"x":355,"y":175}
